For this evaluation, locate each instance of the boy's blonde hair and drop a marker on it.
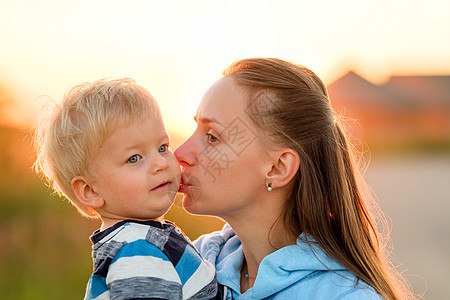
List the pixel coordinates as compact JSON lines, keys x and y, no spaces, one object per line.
{"x":88,"y":114}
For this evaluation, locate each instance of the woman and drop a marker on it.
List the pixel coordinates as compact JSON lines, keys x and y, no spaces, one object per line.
{"x":270,"y":158}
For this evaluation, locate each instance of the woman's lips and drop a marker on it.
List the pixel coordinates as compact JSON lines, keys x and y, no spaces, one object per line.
{"x":184,"y":184}
{"x":183,"y":188}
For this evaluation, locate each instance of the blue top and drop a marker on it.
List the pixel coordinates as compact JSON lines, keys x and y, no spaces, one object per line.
{"x":297,"y":271}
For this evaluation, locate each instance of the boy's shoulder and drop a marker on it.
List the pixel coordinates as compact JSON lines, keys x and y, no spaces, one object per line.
{"x":158,"y":251}
{"x":129,"y":231}
{"x":164,"y":238}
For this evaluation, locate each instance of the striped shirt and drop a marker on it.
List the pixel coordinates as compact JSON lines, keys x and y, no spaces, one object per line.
{"x":148,"y":260}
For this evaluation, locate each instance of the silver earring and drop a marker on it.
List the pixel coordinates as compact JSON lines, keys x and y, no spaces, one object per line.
{"x":269,"y":186}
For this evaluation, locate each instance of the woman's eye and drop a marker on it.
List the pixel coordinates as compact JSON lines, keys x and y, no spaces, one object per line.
{"x":163,"y":148}
{"x":211,"y":138}
{"x":134,"y":159}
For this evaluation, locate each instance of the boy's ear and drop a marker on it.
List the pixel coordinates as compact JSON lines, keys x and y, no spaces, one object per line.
{"x":284,"y":167}
{"x":85,"y":193}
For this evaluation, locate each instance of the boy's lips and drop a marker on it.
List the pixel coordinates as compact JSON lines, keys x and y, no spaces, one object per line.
{"x":163,"y":186}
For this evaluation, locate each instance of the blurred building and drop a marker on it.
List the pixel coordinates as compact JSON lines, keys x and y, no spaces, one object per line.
{"x":405,"y":109}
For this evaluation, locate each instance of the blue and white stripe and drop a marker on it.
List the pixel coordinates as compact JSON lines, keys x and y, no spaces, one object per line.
{"x":136,"y":259}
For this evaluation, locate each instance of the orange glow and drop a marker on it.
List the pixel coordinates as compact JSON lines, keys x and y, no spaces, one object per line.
{"x":177,"y":50}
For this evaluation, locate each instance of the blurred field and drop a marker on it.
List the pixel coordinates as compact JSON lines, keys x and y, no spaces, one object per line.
{"x":45,"y":250}
{"x":414,"y":193}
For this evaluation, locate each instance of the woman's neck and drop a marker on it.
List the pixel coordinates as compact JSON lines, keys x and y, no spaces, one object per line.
{"x":261,"y":231}
{"x":260,"y":239}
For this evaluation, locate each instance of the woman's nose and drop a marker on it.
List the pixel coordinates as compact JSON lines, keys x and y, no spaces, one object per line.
{"x":185,"y":152}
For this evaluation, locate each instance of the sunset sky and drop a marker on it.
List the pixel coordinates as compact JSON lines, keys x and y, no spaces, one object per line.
{"x":177,"y":49}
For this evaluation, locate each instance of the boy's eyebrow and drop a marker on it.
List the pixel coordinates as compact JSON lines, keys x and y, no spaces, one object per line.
{"x":207,"y":120}
{"x":164,"y":137}
{"x":137,"y":144}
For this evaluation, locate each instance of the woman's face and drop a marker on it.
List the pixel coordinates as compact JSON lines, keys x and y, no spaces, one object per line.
{"x":223,"y":161}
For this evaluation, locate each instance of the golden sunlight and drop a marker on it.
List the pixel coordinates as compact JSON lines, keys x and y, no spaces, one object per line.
{"x":379,"y":59}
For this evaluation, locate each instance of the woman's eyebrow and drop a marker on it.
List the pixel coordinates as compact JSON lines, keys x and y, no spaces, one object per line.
{"x":207,"y":120}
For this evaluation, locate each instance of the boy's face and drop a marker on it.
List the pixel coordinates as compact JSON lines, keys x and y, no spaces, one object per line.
{"x":135,"y":172}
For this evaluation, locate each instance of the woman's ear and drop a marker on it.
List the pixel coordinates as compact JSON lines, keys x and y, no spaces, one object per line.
{"x":85,"y":193}
{"x":284,"y":167}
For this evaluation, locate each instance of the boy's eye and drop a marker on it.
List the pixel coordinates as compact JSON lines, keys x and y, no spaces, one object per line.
{"x":211,"y":138}
{"x":163,"y":148}
{"x":134,"y":159}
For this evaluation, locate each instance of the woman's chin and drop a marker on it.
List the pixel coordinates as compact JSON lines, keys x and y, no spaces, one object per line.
{"x":192,"y":195}
{"x":193,"y":206}
{"x":188,"y":204}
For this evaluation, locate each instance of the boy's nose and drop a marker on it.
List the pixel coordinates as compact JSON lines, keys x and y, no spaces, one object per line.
{"x":159,"y":164}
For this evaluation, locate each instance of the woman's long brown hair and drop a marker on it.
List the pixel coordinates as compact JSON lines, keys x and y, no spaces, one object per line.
{"x":291,"y":105}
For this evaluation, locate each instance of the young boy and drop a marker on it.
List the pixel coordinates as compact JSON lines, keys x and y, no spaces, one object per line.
{"x":106,"y":149}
